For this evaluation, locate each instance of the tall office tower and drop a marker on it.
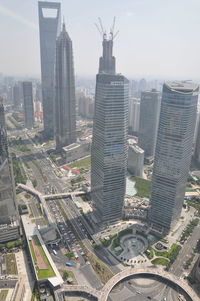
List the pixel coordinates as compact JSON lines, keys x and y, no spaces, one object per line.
{"x":173,"y":153}
{"x":9,"y":227}
{"x":65,"y":101}
{"x":197,"y":141}
{"x":2,"y":115}
{"x":16,"y":97}
{"x":109,"y":143}
{"x":134,"y":114}
{"x":49,"y":24}
{"x":148,"y":125}
{"x":28,"y":105}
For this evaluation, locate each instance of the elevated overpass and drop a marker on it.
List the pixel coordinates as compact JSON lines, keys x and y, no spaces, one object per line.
{"x":128,"y":272}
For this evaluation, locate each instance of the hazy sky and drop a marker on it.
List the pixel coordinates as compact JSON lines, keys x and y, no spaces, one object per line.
{"x":158,"y":38}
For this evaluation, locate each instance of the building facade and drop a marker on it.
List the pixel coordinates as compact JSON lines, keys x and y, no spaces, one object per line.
{"x":173,"y":153}
{"x":134,"y":115}
{"x":148,"y":124}
{"x":109,"y":143}
{"x":28,"y":105}
{"x":65,"y":100}
{"x":49,"y":27}
{"x":135,"y":160}
{"x":9,"y":216}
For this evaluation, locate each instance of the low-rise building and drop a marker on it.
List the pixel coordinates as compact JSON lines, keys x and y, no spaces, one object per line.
{"x":77,"y":150}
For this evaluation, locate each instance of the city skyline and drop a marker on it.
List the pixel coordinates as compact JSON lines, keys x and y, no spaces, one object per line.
{"x":142,"y":26}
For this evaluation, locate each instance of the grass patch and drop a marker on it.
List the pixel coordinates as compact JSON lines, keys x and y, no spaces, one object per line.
{"x":3,"y":294}
{"x":11,"y":265}
{"x":171,"y":254}
{"x":160,"y":261}
{"x":70,"y":254}
{"x":85,"y":162}
{"x":39,"y":209}
{"x":66,"y":273}
{"x":19,"y":173}
{"x":142,"y":186}
{"x":41,"y":273}
{"x":77,"y":180}
{"x":101,"y":269}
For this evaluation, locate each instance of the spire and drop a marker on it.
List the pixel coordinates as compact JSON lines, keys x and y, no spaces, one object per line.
{"x":107,"y":60}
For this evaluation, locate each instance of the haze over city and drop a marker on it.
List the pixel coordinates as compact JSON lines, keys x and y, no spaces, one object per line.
{"x":156,"y":38}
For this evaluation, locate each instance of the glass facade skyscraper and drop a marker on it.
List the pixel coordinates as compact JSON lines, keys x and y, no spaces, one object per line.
{"x":148,"y":124}
{"x":173,"y":153}
{"x":109,"y":143}
{"x":50,"y":26}
{"x":65,"y":101}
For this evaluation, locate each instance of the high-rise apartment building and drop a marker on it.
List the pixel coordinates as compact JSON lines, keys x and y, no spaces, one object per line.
{"x":109,"y":143}
{"x":173,"y":153}
{"x":28,"y":105}
{"x":49,"y":25}
{"x":65,"y":100}
{"x":9,"y":226}
{"x":148,"y":125}
{"x":134,"y":114}
{"x":2,"y":115}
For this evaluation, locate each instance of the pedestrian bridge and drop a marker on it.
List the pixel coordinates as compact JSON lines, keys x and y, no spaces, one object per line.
{"x":128,"y":272}
{"x":49,"y":196}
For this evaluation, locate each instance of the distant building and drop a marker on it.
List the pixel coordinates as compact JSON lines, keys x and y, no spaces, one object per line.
{"x":2,"y":115}
{"x":49,"y":26}
{"x":135,"y":160}
{"x":86,"y":107}
{"x":134,"y":114}
{"x":28,"y":105}
{"x":173,"y":153}
{"x":16,"y":97}
{"x":109,"y":143}
{"x":65,"y":101}
{"x":9,"y":226}
{"x":148,"y":125}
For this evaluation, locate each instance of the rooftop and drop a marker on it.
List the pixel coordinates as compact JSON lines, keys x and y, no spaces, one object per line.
{"x":182,"y":86}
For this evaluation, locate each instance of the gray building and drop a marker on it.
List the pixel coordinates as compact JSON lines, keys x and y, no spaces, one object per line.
{"x":49,"y":25}
{"x":109,"y":143}
{"x":8,"y":209}
{"x":134,"y":115}
{"x":16,"y":97}
{"x":173,"y":153}
{"x":2,"y":115}
{"x":135,"y":160}
{"x":28,"y":105}
{"x":148,"y":125}
{"x":65,"y":100}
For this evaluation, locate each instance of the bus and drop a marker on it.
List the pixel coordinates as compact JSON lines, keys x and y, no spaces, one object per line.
{"x":54,"y":252}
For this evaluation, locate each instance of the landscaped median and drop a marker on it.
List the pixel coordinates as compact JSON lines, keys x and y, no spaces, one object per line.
{"x":41,"y":262}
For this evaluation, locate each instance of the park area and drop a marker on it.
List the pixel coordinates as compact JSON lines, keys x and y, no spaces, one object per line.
{"x":3,"y":295}
{"x":11,"y":265}
{"x":142,"y":187}
{"x":42,"y":264}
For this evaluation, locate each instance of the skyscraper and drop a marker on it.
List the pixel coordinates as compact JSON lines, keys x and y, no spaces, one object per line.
{"x":65,"y":101}
{"x":2,"y":115}
{"x":134,"y":114}
{"x":28,"y":105}
{"x":148,"y":124}
{"x":16,"y":96}
{"x":173,"y":153}
{"x":49,"y":24}
{"x":109,"y":143}
{"x":9,"y":217}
